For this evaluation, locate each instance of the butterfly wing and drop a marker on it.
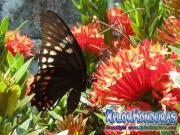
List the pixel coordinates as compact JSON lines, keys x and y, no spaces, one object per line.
{"x":62,"y":65}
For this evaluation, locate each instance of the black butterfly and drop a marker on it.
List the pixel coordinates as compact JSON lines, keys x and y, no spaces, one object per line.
{"x":62,"y":66}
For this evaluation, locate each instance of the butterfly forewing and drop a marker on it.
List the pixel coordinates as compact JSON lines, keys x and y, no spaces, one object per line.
{"x":61,"y":62}
{"x":60,"y":45}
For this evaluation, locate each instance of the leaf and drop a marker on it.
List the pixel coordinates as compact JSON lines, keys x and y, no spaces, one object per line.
{"x":92,"y":133}
{"x":25,"y":125}
{"x":3,"y":99}
{"x":153,"y":26}
{"x":56,"y":116}
{"x":7,"y":129}
{"x":12,"y":99}
{"x":100,"y":116}
{"x":175,"y":49}
{"x":14,"y":31}
{"x":166,"y":133}
{"x":139,"y":32}
{"x":3,"y":58}
{"x":134,"y":40}
{"x":10,"y":58}
{"x":175,"y":76}
{"x":23,"y":102}
{"x":108,"y":36}
{"x":85,"y":19}
{"x":19,"y":74}
{"x":4,"y":24}
{"x":103,"y":16}
{"x":177,"y":63}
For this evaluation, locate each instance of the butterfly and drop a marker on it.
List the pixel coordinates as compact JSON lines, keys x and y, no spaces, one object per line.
{"x":62,"y":66}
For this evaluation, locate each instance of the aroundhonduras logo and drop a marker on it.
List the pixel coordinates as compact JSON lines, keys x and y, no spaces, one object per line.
{"x":139,"y":117}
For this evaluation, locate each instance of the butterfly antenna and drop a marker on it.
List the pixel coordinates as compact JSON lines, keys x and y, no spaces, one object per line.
{"x":118,"y":31}
{"x":106,"y":51}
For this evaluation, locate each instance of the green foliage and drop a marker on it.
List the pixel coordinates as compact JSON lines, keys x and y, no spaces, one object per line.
{"x":18,"y":117}
{"x":148,"y":16}
{"x":90,"y":8}
{"x":97,"y":8}
{"x":3,"y":29}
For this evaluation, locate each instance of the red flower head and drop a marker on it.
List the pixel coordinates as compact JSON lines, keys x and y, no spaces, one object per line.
{"x":171,"y":32}
{"x":136,"y":77}
{"x":120,"y":20}
{"x":89,"y":38}
{"x":18,"y":43}
{"x":122,"y":23}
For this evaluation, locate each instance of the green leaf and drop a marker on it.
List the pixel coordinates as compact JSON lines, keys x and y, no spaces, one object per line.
{"x":20,"y":73}
{"x":103,"y":16}
{"x":153,"y":26}
{"x":14,"y":31}
{"x":12,"y":99}
{"x":7,"y":129}
{"x":100,"y":116}
{"x":3,"y":58}
{"x":177,"y":63}
{"x":139,"y":32}
{"x":166,"y":133}
{"x":175,"y":76}
{"x":92,"y":133}
{"x":2,"y":37}
{"x":25,"y":124}
{"x":23,"y":103}
{"x":3,"y":100}
{"x":175,"y":49}
{"x":85,"y":19}
{"x":10,"y":58}
{"x":108,"y":36}
{"x":22,"y":84}
{"x":135,"y":40}
{"x":75,"y":3}
{"x":4,"y":24}
{"x":20,"y":61}
{"x":55,"y":116}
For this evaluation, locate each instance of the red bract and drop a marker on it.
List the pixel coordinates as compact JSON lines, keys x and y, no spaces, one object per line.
{"x":89,"y":38}
{"x":18,"y":43}
{"x":137,"y":77}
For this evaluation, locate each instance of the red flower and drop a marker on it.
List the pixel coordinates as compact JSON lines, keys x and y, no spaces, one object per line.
{"x":122,"y":23}
{"x":120,"y":20}
{"x":136,"y":77}
{"x":89,"y":38}
{"x":171,"y":32}
{"x":73,"y":125}
{"x":18,"y":43}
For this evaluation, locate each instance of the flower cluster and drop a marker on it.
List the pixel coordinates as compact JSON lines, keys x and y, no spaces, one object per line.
{"x":89,"y":38}
{"x":138,"y":77}
{"x":18,"y":43}
{"x":72,"y":125}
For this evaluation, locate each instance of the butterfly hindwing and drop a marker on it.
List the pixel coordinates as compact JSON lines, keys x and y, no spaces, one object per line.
{"x":62,"y":65}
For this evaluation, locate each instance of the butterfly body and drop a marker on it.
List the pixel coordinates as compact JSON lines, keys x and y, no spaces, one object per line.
{"x":62,"y":66}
